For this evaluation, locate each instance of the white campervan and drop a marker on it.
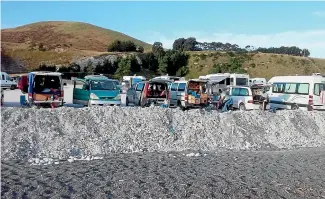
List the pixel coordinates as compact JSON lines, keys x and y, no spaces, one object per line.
{"x":298,"y":92}
{"x":222,"y":80}
{"x":7,"y":81}
{"x":257,"y":81}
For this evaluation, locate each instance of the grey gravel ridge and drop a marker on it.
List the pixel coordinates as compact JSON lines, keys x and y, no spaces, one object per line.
{"x":64,"y":132}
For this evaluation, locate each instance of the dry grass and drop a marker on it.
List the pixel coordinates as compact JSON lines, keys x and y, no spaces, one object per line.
{"x":76,"y":35}
{"x":260,"y":65}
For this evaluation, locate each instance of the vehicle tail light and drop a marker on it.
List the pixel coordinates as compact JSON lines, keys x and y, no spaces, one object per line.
{"x":62,"y":93}
{"x":310,"y":100}
{"x":250,"y":101}
{"x":186,"y":96}
{"x":145,"y":90}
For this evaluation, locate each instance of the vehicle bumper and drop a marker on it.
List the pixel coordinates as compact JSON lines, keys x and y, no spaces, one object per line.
{"x":250,"y":106}
{"x":47,"y":102}
{"x":105,"y":102}
{"x":189,"y":105}
{"x":319,"y":108}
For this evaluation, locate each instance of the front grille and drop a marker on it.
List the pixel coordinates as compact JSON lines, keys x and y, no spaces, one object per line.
{"x":106,"y":98}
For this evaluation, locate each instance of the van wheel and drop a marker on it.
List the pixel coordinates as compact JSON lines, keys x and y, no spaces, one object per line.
{"x":12,"y":87}
{"x":294,"y":107}
{"x":242,"y":107}
{"x":127,"y":101}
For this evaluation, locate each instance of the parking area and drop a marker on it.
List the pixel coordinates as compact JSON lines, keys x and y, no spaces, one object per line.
{"x":12,"y":97}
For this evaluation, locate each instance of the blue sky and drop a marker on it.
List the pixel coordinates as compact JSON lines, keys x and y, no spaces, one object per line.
{"x":245,"y":23}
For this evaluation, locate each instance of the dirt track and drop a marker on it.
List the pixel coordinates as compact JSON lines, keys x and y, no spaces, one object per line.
{"x":272,"y":174}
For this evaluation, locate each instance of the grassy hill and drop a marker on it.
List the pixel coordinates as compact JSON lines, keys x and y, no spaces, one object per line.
{"x":58,"y":42}
{"x":61,"y":42}
{"x":257,"y":64}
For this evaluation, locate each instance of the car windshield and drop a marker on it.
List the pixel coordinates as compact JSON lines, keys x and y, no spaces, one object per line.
{"x":103,"y":85}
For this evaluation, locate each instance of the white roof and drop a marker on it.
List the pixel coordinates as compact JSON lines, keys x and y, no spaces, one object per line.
{"x":302,"y":79}
{"x":181,"y":81}
{"x":47,"y":73}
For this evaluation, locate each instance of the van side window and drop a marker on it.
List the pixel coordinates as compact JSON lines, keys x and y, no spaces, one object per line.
{"x":228,"y":81}
{"x":318,"y":88}
{"x":303,"y":89}
{"x":174,"y":87}
{"x":139,"y":87}
{"x":290,"y":88}
{"x":278,"y":88}
{"x":2,"y":77}
{"x":243,"y":92}
{"x":235,"y":92}
{"x":181,"y":87}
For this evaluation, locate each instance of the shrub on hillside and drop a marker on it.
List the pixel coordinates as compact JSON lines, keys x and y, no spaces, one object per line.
{"x":124,"y":46}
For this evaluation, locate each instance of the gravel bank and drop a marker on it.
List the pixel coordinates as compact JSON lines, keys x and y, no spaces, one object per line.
{"x":286,"y":174}
{"x":64,"y":132}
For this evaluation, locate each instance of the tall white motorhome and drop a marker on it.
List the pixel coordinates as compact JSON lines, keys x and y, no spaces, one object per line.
{"x":298,"y":92}
{"x":222,"y":80}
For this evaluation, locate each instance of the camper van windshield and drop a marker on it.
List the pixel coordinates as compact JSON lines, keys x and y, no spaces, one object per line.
{"x":241,"y":81}
{"x":103,"y":85}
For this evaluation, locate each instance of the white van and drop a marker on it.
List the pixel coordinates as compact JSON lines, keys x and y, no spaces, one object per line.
{"x":7,"y":81}
{"x":257,"y":81}
{"x":298,"y":92}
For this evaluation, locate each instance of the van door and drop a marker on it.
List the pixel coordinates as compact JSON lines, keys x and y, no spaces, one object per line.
{"x":234,"y":94}
{"x":81,"y":92}
{"x":318,"y":95}
{"x":180,"y":91}
{"x":173,"y":93}
{"x":138,"y":90}
{"x":5,"y":80}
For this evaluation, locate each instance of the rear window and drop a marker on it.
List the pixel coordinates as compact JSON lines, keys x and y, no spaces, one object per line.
{"x":50,"y":82}
{"x":235,"y":91}
{"x":174,"y":87}
{"x":318,"y":88}
{"x":181,"y":87}
{"x":243,"y":92}
{"x":139,"y":87}
{"x":241,"y":81}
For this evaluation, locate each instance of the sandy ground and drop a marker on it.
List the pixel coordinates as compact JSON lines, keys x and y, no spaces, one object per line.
{"x":285,"y":174}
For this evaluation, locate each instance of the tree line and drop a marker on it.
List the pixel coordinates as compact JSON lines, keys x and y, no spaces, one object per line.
{"x":158,"y":61}
{"x":190,"y":44}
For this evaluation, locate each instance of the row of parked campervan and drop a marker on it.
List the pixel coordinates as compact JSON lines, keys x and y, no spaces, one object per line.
{"x":284,"y":92}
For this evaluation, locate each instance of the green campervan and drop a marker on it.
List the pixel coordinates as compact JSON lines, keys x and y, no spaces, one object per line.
{"x":96,"y":90}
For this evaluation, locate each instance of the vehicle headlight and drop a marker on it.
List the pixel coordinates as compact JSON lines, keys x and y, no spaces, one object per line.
{"x":93,"y":96}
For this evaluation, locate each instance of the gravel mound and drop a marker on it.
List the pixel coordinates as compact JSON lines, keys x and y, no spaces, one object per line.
{"x":65,"y":132}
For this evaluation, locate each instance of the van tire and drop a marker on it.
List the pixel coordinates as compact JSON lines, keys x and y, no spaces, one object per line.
{"x":12,"y":87}
{"x":242,"y":107}
{"x":294,"y":107}
{"x":127,"y":101}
